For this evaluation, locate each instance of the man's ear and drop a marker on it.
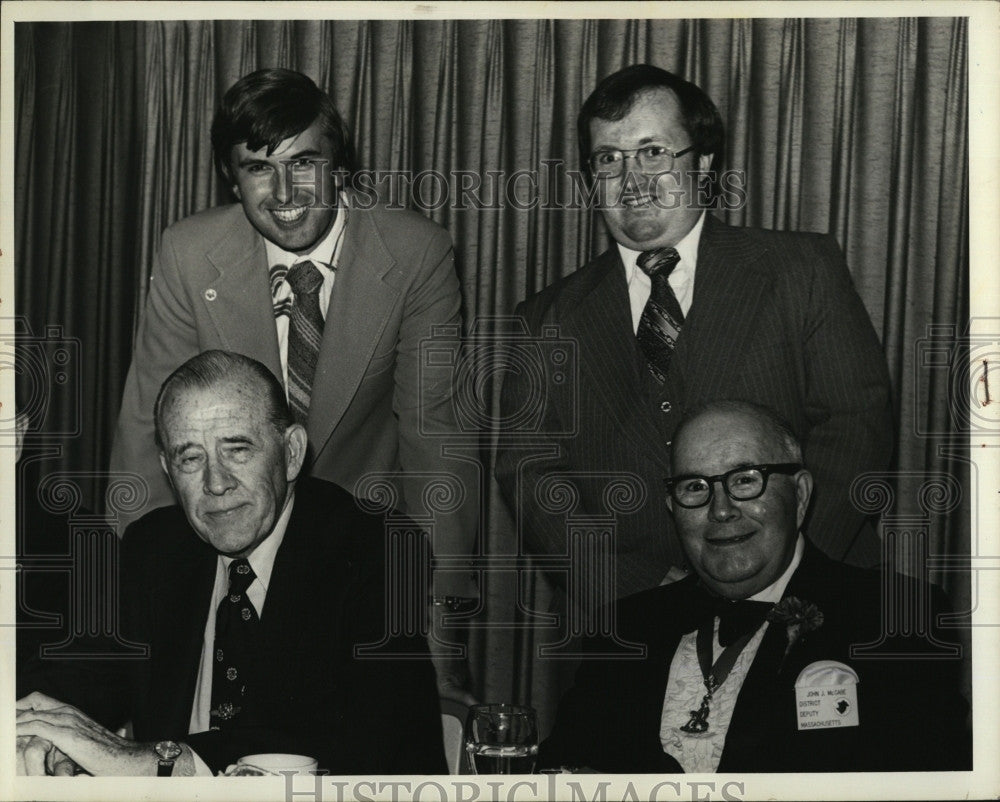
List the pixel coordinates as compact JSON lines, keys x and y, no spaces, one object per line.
{"x":163,"y":464}
{"x":237,"y":193}
{"x":803,"y":492}
{"x":296,"y":442}
{"x":705,"y":161}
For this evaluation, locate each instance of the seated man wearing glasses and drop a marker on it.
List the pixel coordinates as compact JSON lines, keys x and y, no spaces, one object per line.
{"x":683,"y":309}
{"x":771,"y":657}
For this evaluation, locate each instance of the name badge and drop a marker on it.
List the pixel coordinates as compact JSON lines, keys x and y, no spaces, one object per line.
{"x":826,"y":696}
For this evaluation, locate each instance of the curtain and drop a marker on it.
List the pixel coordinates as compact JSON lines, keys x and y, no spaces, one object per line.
{"x":858,"y":127}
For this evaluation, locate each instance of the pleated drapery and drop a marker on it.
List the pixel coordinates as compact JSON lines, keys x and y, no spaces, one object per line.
{"x":857,"y":127}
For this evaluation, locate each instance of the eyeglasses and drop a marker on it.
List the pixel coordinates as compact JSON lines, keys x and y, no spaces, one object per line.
{"x":741,"y":484}
{"x":651,"y":159}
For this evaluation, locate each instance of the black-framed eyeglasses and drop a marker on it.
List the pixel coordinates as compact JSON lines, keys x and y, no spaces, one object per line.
{"x":741,"y":484}
{"x":651,"y":159}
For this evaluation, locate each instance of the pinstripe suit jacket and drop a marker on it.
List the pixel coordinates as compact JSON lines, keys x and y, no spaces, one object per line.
{"x":775,"y":319}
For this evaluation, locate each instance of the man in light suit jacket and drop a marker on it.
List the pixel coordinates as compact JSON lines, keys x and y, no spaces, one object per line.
{"x":733,"y":313}
{"x":348,"y":350}
{"x":316,"y":601}
{"x":386,"y":279}
{"x":812,"y":674}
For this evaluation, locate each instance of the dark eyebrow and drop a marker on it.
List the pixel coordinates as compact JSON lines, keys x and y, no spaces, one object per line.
{"x":311,"y":153}
{"x":237,"y":439}
{"x":182,"y":447}
{"x":737,"y":467}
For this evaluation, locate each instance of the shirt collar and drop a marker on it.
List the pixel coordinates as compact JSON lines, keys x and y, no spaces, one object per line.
{"x":261,"y":559}
{"x":687,"y":249}
{"x":324,"y":254}
{"x":774,"y":591}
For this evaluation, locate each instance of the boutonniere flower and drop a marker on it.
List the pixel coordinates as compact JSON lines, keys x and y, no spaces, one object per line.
{"x":798,"y":616}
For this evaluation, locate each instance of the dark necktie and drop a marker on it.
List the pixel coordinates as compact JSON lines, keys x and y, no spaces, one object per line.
{"x":235,"y":634}
{"x":662,"y":317}
{"x":305,"y":334}
{"x":738,"y":618}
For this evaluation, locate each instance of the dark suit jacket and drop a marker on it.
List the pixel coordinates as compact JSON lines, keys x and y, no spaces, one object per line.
{"x":912,"y":716}
{"x":774,"y":319}
{"x":312,"y":695}
{"x":372,"y":410}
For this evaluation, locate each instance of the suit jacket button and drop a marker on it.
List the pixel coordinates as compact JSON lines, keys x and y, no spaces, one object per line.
{"x":665,"y":406}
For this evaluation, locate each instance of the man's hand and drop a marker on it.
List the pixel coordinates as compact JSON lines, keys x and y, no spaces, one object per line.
{"x":37,"y":757}
{"x":453,"y":676}
{"x":73,"y":736}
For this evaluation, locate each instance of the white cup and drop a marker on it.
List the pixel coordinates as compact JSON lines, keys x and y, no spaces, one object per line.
{"x":277,"y":763}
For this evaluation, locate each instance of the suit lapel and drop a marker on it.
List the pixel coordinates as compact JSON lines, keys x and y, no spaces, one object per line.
{"x":363,"y":298}
{"x":239,"y":281}
{"x":598,"y":316}
{"x":182,"y":613}
{"x":681,"y":609}
{"x":765,"y":709}
{"x":298,"y":580}
{"x":729,"y":289}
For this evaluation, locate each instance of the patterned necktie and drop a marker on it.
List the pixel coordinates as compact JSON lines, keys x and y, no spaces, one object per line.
{"x":662,"y":318}
{"x":305,"y":333}
{"x":235,"y":632}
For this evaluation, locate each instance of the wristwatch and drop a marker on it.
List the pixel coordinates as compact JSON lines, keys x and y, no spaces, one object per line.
{"x":167,"y":752}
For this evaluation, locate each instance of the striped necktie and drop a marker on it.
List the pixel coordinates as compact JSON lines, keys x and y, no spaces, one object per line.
{"x":305,"y":334}
{"x":662,"y":318}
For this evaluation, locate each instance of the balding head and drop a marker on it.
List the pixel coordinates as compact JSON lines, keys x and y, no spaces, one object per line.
{"x":738,"y":494}
{"x":210,"y":369}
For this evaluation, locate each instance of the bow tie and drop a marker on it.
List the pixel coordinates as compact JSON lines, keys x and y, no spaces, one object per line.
{"x":739,"y":618}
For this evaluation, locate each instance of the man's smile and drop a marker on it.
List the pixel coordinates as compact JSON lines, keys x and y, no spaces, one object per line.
{"x":730,"y":540}
{"x":225,"y":513}
{"x":637,"y":201}
{"x":289,"y":215}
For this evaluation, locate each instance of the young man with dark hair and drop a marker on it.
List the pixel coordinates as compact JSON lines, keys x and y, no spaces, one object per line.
{"x":333,"y":297}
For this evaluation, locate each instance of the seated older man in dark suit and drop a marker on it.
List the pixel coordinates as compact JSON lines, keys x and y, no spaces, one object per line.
{"x":253,"y":596}
{"x":772,"y":684}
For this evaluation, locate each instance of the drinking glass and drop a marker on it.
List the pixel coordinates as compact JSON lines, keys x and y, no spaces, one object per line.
{"x":501,"y":739}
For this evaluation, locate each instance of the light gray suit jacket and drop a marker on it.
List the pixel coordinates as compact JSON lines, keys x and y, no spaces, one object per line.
{"x":373,"y":409}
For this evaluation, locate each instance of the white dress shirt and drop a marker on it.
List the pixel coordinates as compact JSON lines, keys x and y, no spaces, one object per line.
{"x":681,"y":277}
{"x":262,"y":562}
{"x":325,"y":256}
{"x":686,"y":688}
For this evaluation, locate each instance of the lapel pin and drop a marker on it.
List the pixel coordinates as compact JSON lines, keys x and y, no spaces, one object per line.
{"x":210,"y":294}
